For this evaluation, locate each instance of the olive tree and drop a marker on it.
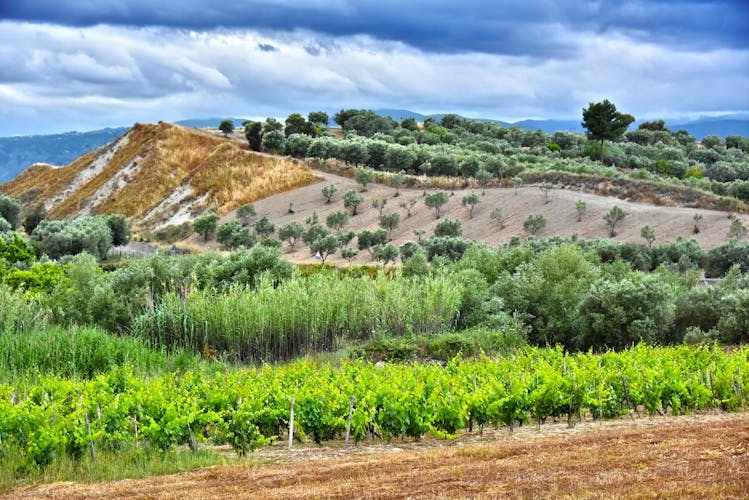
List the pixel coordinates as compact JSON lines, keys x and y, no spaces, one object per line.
{"x":389,"y":222}
{"x":614,"y":217}
{"x":328,"y":192}
{"x":470,"y":201}
{"x":352,"y":199}
{"x":206,"y":224}
{"x":534,"y":223}
{"x":436,"y":199}
{"x":291,"y":232}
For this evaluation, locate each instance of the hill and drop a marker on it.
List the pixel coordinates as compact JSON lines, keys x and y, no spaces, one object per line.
{"x":669,"y":222}
{"x":158,"y":174}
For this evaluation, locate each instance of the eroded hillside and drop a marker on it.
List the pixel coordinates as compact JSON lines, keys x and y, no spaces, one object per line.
{"x":159,"y":174}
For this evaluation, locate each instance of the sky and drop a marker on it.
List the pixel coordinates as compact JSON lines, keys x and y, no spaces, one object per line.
{"x":85,"y":64}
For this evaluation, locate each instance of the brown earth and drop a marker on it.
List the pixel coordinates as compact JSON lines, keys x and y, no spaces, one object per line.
{"x":668,"y":222}
{"x":704,"y":456}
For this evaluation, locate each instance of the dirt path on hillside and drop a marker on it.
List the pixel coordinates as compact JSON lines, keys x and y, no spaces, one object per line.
{"x":705,"y":456}
{"x":669,"y":223}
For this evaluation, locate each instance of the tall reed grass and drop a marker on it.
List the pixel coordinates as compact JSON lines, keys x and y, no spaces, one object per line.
{"x":81,"y":353}
{"x":19,"y":313}
{"x":300,"y":316}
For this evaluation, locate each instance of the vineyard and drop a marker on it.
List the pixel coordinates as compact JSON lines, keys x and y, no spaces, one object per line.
{"x":55,"y":417}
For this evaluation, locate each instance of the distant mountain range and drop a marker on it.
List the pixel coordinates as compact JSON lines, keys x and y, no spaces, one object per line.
{"x":18,"y":153}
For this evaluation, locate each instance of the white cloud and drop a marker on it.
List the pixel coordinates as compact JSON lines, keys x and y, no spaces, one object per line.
{"x":115,"y":76}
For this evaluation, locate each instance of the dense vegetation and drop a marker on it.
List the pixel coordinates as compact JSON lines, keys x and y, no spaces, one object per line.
{"x":652,"y":158}
{"x":138,"y":357}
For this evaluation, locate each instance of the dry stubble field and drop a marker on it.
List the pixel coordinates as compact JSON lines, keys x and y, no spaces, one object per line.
{"x":703,"y":456}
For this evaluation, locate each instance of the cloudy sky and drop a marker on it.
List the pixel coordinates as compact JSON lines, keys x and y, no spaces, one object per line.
{"x":82,"y":65}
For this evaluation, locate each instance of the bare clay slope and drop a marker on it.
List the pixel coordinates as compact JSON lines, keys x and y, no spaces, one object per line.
{"x":669,"y":223}
{"x":159,"y":174}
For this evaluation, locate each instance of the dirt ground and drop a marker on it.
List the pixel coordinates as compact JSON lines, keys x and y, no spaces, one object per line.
{"x":703,"y":456}
{"x":668,"y":222}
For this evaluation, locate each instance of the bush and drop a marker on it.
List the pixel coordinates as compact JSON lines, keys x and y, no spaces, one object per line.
{"x":618,"y":314}
{"x":59,"y":238}
{"x":720,"y":259}
{"x":10,"y":210}
{"x":449,"y":228}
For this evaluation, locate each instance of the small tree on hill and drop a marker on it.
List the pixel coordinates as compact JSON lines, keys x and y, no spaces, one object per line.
{"x":379,"y":204}
{"x":448,"y":228}
{"x":580,"y":207}
{"x":397,"y":180}
{"x":274,"y":141}
{"x":389,"y":222}
{"x":367,"y":239}
{"x":319,"y":119}
{"x":206,"y":224}
{"x":352,"y":199}
{"x":546,"y":188}
{"x":385,"y":253}
{"x":345,"y":237}
{"x":408,"y":205}
{"x":364,"y":176}
{"x":246,"y":212}
{"x":516,"y":182}
{"x":534,"y":223}
{"x":227,"y":127}
{"x":324,"y":247}
{"x":336,"y":220}
{"x":291,"y":232}
{"x":470,"y":201}
{"x":614,"y":217}
{"x":696,"y":219}
{"x":349,"y":254}
{"x":648,"y":234}
{"x":264,"y":228}
{"x":120,"y":229}
{"x":233,"y":235}
{"x":483,"y":177}
{"x":328,"y":192}
{"x":496,"y":215}
{"x":313,"y":233}
{"x":435,"y":200}
{"x":253,"y":132}
{"x":604,"y":123}
{"x":737,"y":230}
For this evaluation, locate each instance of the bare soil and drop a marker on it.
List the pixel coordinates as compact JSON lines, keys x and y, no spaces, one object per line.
{"x":703,"y":456}
{"x":668,"y":222}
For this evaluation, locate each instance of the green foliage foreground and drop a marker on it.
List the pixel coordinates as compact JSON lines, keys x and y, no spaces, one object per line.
{"x":45,"y":421}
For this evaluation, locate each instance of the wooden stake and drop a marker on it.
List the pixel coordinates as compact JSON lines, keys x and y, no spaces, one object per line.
{"x":91,"y":441}
{"x":291,"y":423}
{"x":348,"y":425}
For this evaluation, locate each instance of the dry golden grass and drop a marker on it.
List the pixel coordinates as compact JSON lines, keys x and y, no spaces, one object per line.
{"x":167,"y":157}
{"x":41,"y":181}
{"x":687,"y":457}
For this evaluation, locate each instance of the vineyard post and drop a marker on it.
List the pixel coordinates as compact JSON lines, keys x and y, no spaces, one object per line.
{"x":193,"y":442}
{"x":570,"y":422}
{"x":626,"y":396}
{"x":348,"y":425}
{"x":291,"y":423}
{"x":712,"y":389}
{"x":91,"y":441}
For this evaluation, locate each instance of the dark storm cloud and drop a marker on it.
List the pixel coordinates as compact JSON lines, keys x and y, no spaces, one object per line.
{"x":510,"y":27}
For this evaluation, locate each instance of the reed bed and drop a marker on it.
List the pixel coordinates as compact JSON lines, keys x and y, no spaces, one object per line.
{"x":299,"y":316}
